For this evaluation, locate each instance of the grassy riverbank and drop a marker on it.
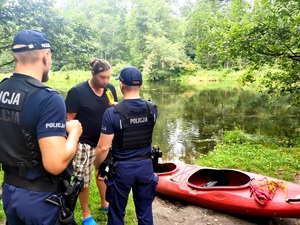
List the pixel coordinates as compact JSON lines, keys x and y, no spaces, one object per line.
{"x":66,"y":79}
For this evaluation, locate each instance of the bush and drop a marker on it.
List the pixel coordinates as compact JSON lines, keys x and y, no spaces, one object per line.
{"x":234,"y":137}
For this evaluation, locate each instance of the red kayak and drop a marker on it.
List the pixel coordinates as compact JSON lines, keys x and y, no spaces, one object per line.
{"x":229,"y":190}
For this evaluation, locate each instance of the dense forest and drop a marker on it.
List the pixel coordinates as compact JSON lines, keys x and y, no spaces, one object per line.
{"x":166,"y":38}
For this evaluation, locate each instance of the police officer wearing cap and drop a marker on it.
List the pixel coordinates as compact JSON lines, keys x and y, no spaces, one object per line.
{"x":128,"y":128}
{"x":36,"y":142}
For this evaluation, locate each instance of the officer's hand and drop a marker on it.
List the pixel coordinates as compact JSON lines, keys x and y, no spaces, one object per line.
{"x":74,"y":126}
{"x":99,"y":176}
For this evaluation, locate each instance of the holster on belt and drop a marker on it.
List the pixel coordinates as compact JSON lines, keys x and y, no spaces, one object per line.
{"x":108,"y":167}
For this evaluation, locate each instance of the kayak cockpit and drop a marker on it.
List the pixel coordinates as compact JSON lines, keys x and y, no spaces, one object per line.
{"x":165,"y":168}
{"x":218,"y":178}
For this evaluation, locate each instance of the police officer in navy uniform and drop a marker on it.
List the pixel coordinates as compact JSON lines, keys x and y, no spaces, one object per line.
{"x":36,"y":142}
{"x":128,"y":128}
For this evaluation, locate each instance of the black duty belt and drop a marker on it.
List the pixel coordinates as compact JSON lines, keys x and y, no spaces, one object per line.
{"x":39,"y":184}
{"x":147,"y":156}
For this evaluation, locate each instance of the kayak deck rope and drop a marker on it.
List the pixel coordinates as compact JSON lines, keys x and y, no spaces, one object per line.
{"x":187,"y":169}
{"x":274,"y":185}
{"x":264,"y":190}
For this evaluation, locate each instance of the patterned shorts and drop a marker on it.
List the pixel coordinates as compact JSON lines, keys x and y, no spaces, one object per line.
{"x":84,"y":161}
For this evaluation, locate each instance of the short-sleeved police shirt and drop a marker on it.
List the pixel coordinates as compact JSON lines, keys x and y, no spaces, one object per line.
{"x":111,"y":125}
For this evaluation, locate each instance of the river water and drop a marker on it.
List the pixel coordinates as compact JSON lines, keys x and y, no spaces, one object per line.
{"x":192,"y":118}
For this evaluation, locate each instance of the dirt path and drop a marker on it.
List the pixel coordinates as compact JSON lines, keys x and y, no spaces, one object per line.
{"x":173,"y":212}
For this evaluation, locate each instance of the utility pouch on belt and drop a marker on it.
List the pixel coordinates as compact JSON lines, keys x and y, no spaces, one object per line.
{"x":73,"y":191}
{"x":107,"y":167}
{"x":155,"y":155}
{"x":66,"y":215}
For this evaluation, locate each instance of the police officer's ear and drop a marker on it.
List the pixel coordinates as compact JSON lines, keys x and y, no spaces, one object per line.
{"x":46,"y":57}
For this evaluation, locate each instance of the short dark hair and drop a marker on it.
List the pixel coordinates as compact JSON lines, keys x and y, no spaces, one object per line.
{"x":99,"y":65}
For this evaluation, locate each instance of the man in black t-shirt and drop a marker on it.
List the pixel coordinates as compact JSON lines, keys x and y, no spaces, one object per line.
{"x":87,"y":102}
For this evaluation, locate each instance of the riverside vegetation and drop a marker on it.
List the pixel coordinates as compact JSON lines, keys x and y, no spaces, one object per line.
{"x":236,"y":149}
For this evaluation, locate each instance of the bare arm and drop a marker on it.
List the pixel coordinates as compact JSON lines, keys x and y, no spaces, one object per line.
{"x":71,"y":116}
{"x":57,"y":151}
{"x":102,"y":148}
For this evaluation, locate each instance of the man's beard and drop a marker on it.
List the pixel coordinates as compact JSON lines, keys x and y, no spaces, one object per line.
{"x":45,"y":76}
{"x":99,"y":84}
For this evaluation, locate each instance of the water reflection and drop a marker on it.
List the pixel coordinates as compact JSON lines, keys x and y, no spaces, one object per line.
{"x":193,"y":118}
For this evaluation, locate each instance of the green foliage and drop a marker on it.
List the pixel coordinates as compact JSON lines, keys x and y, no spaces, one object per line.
{"x":70,"y":38}
{"x":266,"y":36}
{"x":162,"y":56}
{"x":209,"y":29}
{"x":2,"y":215}
{"x":157,"y":75}
{"x":118,"y":67}
{"x":158,"y":36}
{"x":107,"y":19}
{"x":257,"y":33}
{"x":235,"y":137}
{"x":189,"y":68}
{"x":153,"y":38}
{"x":297,"y":138}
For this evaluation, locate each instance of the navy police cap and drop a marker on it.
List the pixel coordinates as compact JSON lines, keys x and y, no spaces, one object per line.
{"x":130,"y":76}
{"x":27,"y":40}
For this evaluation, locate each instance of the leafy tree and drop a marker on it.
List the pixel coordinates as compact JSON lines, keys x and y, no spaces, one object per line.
{"x":107,"y":20}
{"x":268,"y":35}
{"x":205,"y":34}
{"x":210,"y":23}
{"x":163,"y":56}
{"x":141,"y":32}
{"x":188,"y":38}
{"x":151,"y":37}
{"x":69,"y":38}
{"x":257,"y":33}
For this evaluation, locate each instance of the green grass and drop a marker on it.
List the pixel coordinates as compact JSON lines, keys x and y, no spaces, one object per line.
{"x":64,"y":80}
{"x":99,"y":215}
{"x":2,"y":215}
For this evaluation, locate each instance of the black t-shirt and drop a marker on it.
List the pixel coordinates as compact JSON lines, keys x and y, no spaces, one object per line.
{"x":90,"y":109}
